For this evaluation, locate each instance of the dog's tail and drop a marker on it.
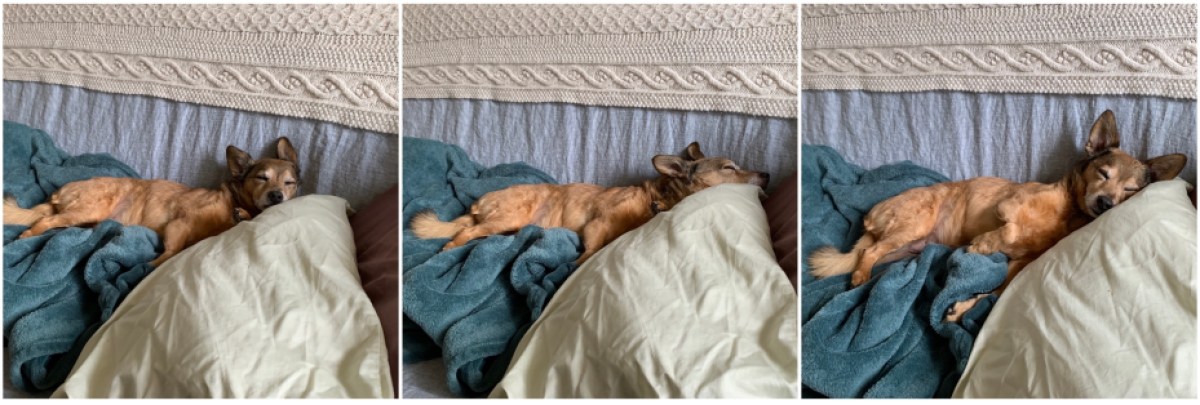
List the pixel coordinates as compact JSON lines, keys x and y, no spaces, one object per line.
{"x":827,"y":261}
{"x":15,"y":215}
{"x":426,"y":225}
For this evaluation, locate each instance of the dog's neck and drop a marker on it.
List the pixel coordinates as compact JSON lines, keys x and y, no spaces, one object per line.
{"x":1072,"y":186}
{"x":236,"y":199}
{"x":664,"y":192}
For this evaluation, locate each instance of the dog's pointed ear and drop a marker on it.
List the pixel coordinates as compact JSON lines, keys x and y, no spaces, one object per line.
{"x":692,"y":152}
{"x":671,"y":166}
{"x":1104,"y":134}
{"x":238,"y":161}
{"x":285,"y":151}
{"x":1166,"y":167}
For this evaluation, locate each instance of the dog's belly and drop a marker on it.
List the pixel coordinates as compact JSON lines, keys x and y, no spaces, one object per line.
{"x":968,"y":209}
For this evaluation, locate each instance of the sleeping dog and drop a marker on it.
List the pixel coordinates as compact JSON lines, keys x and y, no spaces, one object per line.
{"x":180,"y":215}
{"x":598,"y":214}
{"x":996,"y":215}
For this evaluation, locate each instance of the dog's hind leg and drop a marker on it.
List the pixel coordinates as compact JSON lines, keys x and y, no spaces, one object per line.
{"x":902,"y":225}
{"x":493,"y":225}
{"x":893,"y":247}
{"x":64,"y":219}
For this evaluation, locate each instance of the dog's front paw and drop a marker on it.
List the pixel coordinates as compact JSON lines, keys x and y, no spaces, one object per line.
{"x":953,"y":314}
{"x":956,"y":311}
{"x":859,"y":277}
{"x":26,"y":234}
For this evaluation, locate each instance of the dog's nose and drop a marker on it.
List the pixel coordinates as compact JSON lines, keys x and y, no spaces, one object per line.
{"x":275,"y":197}
{"x":766,"y":178}
{"x":1103,"y":203}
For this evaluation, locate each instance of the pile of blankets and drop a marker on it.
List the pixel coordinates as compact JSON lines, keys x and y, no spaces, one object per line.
{"x":471,"y":305}
{"x":59,"y":287}
{"x":887,"y":337}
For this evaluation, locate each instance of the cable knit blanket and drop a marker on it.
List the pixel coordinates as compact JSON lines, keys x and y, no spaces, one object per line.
{"x":713,"y":57}
{"x":1142,"y":49}
{"x":330,"y":62}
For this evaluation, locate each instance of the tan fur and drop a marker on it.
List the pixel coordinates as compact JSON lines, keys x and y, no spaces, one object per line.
{"x":996,"y":215}
{"x":180,"y":215}
{"x":15,"y":215}
{"x":598,"y":214}
{"x":426,"y":225}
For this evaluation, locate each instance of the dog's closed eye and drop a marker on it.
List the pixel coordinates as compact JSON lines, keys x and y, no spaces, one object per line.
{"x":1103,"y":174}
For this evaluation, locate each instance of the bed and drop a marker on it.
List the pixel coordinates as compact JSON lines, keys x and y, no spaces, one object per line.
{"x":900,"y":96}
{"x":158,"y":91}
{"x":590,"y":93}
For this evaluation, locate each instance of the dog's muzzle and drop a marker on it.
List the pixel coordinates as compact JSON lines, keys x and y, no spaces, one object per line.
{"x":762,"y":179}
{"x":275,"y":197}
{"x":1103,"y":203}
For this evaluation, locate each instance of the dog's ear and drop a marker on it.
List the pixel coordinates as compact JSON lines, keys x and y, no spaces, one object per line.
{"x":1104,"y":134}
{"x":692,"y":152}
{"x":1166,"y":167}
{"x":285,"y":151}
{"x":671,"y":166}
{"x":238,"y":161}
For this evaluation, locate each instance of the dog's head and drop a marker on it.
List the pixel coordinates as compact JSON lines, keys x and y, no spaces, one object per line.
{"x":691,"y":172}
{"x":1109,"y":176}
{"x":265,"y":182}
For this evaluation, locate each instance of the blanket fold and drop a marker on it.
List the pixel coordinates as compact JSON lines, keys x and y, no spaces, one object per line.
{"x":59,"y":287}
{"x":471,"y":305}
{"x":885,"y":338}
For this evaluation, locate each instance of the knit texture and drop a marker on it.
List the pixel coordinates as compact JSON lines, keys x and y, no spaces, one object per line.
{"x":333,"y":63}
{"x":733,"y":58}
{"x":1066,"y":49}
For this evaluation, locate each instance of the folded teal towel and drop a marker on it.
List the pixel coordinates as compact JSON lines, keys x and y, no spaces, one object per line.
{"x":885,"y":338}
{"x":471,"y":305}
{"x":59,"y":287}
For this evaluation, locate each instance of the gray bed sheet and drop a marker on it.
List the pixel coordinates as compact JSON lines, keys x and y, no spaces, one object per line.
{"x":609,"y":146}
{"x":185,"y":142}
{"x":1021,"y":137}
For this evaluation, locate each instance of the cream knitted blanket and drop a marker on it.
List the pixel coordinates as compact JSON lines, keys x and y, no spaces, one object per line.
{"x":334,"y":63}
{"x":1081,"y":49}
{"x":737,"y":58}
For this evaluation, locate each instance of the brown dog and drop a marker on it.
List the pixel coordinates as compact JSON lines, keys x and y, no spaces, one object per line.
{"x":599,"y":215}
{"x":996,"y":215}
{"x":180,"y":215}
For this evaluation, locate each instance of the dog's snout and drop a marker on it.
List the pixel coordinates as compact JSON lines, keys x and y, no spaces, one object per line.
{"x":1103,"y":203}
{"x":276,"y":197}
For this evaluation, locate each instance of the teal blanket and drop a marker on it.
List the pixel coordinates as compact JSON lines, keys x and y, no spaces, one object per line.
{"x":471,"y":305}
{"x":60,"y":287}
{"x":885,"y":338}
